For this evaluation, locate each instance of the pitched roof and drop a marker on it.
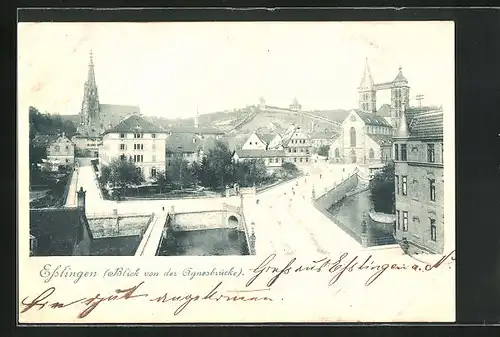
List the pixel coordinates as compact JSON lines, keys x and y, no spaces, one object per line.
{"x":235,"y":141}
{"x":367,"y":80}
{"x":413,"y":111}
{"x":135,"y":124}
{"x":113,"y":114}
{"x":266,"y":137}
{"x":322,"y":135}
{"x":57,"y":230}
{"x":382,"y":140}
{"x":259,"y":153}
{"x":427,"y":125}
{"x":182,"y":143}
{"x":384,"y":110}
{"x":400,"y":77}
{"x":372,"y":119}
{"x":44,"y":140}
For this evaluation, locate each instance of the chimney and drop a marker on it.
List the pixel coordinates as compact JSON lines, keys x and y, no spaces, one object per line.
{"x":80,"y":201}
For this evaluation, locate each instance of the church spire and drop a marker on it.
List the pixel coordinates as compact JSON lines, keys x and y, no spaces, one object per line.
{"x":90,"y":113}
{"x":367,"y":80}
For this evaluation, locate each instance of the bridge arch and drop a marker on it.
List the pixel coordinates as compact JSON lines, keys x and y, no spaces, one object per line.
{"x":233,"y":221}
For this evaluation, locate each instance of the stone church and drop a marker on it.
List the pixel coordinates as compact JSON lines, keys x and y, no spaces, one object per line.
{"x":367,"y":134}
{"x":96,"y":118}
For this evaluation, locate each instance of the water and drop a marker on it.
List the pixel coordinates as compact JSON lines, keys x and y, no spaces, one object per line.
{"x":348,"y":214}
{"x":209,"y":242}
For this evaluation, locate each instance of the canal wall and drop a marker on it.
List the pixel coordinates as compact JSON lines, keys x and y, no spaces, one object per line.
{"x":337,"y":193}
{"x":227,"y":217}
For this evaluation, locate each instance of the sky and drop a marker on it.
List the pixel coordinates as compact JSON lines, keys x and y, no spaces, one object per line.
{"x":170,"y":69}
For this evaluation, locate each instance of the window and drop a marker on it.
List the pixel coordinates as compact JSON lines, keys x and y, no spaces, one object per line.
{"x":153,"y":136}
{"x":353,"y":137}
{"x":122,"y":147}
{"x":432,"y":189}
{"x":138,"y":158}
{"x":433,"y":229}
{"x":67,"y":160}
{"x":337,"y":153}
{"x":138,"y":146}
{"x":301,"y":149}
{"x":371,"y":154}
{"x":67,"y":147}
{"x":300,"y":160}
{"x":307,"y":160}
{"x":398,"y":219}
{"x":289,"y":149}
{"x":294,"y":150}
{"x":397,"y":185}
{"x":153,"y":158}
{"x":430,"y":153}
{"x":138,"y":135}
{"x":33,"y":244}
{"x":295,"y":160}
{"x":154,"y":146}
{"x":57,"y":148}
{"x":153,"y":172}
{"x":442,"y":153}
{"x":403,"y":152}
{"x":250,"y":143}
{"x":270,"y":160}
{"x":405,"y":221}
{"x":122,"y":135}
{"x":404,"y":183}
{"x":396,"y":152}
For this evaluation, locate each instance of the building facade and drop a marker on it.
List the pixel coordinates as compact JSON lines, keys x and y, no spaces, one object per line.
{"x":273,"y":159}
{"x":61,"y":151}
{"x":419,"y":181}
{"x":297,"y":146}
{"x":365,"y":138}
{"x":137,"y":139}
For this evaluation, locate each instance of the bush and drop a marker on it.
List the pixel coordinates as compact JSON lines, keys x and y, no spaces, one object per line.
{"x":382,"y":190}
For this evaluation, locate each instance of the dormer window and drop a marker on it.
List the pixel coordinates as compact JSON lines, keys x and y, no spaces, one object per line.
{"x":122,"y":135}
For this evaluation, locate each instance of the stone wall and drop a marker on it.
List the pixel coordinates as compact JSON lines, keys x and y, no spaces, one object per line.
{"x":337,"y":193}
{"x":203,"y":220}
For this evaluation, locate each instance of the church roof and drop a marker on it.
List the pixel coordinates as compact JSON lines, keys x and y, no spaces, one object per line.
{"x":57,"y":230}
{"x":427,"y":125}
{"x":384,"y":110}
{"x":382,"y":140}
{"x":372,"y":119}
{"x":135,"y":124}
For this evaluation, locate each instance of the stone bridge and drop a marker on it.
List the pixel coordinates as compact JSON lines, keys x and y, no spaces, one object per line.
{"x":227,"y":217}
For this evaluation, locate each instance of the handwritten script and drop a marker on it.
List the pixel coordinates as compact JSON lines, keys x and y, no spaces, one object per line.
{"x":268,"y":272}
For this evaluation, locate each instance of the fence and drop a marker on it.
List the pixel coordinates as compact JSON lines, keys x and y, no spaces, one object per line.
{"x":103,"y":215}
{"x":69,"y":197}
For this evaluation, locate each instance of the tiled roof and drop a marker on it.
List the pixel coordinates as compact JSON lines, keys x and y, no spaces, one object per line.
{"x":372,"y":119}
{"x":44,"y":140}
{"x":413,"y":111}
{"x":383,"y":140}
{"x":427,"y":125}
{"x":234,"y":142}
{"x":266,"y":137}
{"x":195,"y":130}
{"x":136,"y":124}
{"x":259,"y":153}
{"x":57,"y":230}
{"x":185,"y":143}
{"x":384,"y":110}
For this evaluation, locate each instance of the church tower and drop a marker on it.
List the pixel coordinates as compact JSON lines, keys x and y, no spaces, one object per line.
{"x":400,"y":97}
{"x":367,"y":95}
{"x":90,"y":113}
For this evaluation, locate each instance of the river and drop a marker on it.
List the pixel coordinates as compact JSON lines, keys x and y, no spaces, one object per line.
{"x":209,"y":242}
{"x":348,"y":214}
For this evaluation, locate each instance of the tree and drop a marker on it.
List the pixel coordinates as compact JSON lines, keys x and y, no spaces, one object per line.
{"x":218,"y":166}
{"x":161,"y":180}
{"x":182,"y":172}
{"x":124,"y":173}
{"x":323,"y":150}
{"x":382,"y":190}
{"x":290,"y":169}
{"x":105,"y":175}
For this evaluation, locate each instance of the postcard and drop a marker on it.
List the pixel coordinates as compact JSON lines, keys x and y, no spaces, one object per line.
{"x":236,"y":172}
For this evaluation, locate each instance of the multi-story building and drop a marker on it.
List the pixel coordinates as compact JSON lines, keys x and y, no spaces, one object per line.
{"x":262,"y":141}
{"x":297,"y":146}
{"x":273,"y":159}
{"x":138,"y":139}
{"x":419,"y":181}
{"x":61,"y":150}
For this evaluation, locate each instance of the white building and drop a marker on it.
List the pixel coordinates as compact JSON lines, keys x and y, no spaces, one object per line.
{"x":137,"y":139}
{"x":262,"y":141}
